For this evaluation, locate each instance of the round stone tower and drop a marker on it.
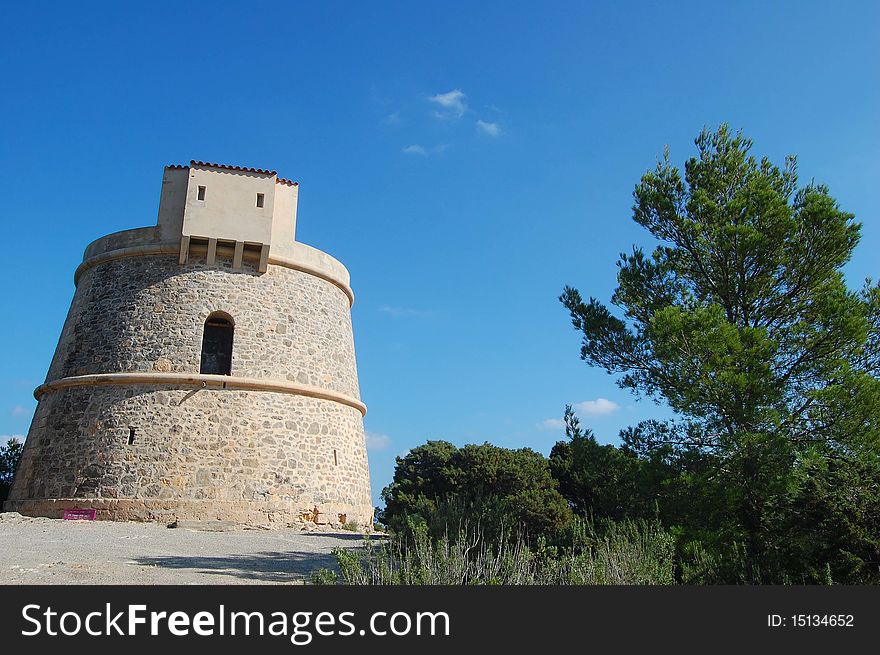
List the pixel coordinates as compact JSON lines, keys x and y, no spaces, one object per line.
{"x":206,"y":370}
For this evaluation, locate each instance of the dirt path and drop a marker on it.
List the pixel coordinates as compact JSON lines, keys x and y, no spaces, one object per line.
{"x":51,"y":551}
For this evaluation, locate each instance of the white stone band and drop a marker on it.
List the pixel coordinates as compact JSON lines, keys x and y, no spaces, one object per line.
{"x":174,"y":249}
{"x":201,"y":380}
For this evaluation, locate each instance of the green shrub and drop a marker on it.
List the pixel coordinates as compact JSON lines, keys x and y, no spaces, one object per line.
{"x":10,"y":456}
{"x":439,"y":486}
{"x":629,"y":552}
{"x":324,"y":576}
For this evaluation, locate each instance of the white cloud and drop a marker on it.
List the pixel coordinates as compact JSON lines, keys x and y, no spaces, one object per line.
{"x":18,"y":410}
{"x":392,"y":119}
{"x":492,"y":129}
{"x":399,"y":312}
{"x":376,"y":441}
{"x":552,"y":424}
{"x":418,"y":149}
{"x":598,"y":407}
{"x":453,"y":104}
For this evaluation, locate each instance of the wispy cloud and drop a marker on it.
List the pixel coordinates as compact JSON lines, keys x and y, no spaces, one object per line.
{"x":453,"y":104}
{"x":492,"y":129}
{"x":377,"y":441}
{"x":422,"y":151}
{"x":392,"y":119}
{"x":591,"y":408}
{"x":399,"y":312}
{"x":552,"y":424}
{"x":18,"y":410}
{"x":598,"y":407}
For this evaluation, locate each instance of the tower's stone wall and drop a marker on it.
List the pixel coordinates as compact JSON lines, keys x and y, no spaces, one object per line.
{"x":127,"y":425}
{"x":146,"y":314}
{"x":251,"y":457}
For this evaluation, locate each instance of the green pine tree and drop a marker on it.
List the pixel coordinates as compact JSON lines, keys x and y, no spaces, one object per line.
{"x":741,"y":321}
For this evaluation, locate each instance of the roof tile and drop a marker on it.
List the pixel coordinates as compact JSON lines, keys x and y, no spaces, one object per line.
{"x":244,"y":169}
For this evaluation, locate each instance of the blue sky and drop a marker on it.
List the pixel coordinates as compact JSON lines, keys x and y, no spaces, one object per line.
{"x":464,"y":160}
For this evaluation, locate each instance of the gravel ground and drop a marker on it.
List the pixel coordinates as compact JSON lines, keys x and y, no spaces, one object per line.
{"x":52,"y":551}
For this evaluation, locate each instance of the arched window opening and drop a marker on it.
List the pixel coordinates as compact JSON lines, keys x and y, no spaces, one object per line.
{"x":217,"y":345}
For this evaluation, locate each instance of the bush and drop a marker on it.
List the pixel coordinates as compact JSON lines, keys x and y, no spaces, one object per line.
{"x":10,"y":456}
{"x":324,"y":576}
{"x":629,"y":552}
{"x":439,"y":486}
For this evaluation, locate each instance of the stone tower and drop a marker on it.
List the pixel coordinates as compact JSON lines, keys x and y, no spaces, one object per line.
{"x":206,"y":369}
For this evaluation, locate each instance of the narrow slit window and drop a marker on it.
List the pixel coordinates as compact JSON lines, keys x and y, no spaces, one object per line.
{"x":260,"y":199}
{"x":335,"y":460}
{"x":217,"y":345}
{"x":202,"y":192}
{"x":130,"y":436}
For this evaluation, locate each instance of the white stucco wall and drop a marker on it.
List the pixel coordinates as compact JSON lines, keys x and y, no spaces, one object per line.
{"x":229,"y":210}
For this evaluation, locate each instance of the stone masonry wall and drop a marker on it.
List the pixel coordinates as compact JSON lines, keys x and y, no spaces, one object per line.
{"x":238,"y":455}
{"x":250,"y":456}
{"x":147,"y":314}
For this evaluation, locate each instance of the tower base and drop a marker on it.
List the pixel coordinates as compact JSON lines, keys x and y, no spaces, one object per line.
{"x":280,"y":514}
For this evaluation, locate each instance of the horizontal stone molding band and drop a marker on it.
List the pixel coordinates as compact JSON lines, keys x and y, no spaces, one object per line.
{"x":201,"y":380}
{"x":174,"y":249}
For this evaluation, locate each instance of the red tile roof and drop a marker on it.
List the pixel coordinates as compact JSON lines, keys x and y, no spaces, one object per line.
{"x":244,"y":169}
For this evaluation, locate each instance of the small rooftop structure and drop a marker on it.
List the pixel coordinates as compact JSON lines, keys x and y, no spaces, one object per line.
{"x":247,"y":209}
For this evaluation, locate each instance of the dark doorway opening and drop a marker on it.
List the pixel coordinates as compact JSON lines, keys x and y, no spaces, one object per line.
{"x":217,"y":345}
